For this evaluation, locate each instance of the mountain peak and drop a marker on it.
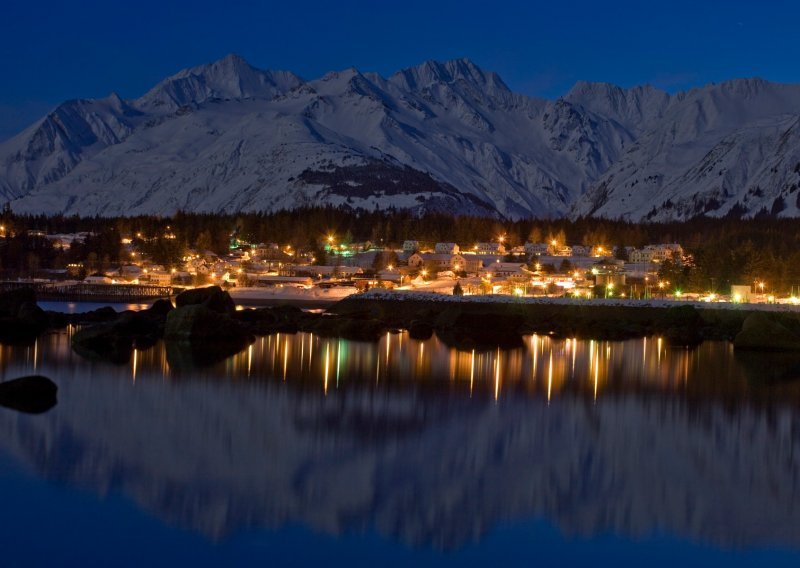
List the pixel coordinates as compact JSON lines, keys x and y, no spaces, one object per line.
{"x":453,"y":71}
{"x":231,"y":77}
{"x":632,"y":107}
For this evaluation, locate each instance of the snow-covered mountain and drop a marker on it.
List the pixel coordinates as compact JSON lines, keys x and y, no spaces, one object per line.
{"x":440,"y":136}
{"x":731,"y":148}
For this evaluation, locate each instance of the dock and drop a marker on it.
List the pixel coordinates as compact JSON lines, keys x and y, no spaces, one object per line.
{"x":80,"y":292}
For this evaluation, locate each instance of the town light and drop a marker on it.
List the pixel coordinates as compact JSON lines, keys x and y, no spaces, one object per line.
{"x":554,"y":242}
{"x":423,"y":272}
{"x":391,"y":266}
{"x":737,"y":298}
{"x":501,"y":238}
{"x":330,"y":238}
{"x":518,"y":291}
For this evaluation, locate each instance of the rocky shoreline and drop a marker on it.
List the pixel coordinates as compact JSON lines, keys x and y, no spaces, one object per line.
{"x":204,"y":325}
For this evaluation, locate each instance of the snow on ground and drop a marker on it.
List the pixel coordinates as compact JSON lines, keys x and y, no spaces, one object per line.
{"x":437,"y":296}
{"x":289,"y":293}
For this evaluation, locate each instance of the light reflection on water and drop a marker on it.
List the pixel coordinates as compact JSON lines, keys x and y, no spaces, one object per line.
{"x":544,"y":367}
{"x":424,"y":444}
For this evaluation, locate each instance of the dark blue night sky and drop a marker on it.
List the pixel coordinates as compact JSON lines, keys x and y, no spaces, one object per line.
{"x":54,"y":50}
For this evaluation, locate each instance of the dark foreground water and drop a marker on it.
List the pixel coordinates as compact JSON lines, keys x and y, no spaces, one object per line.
{"x":304,"y":450}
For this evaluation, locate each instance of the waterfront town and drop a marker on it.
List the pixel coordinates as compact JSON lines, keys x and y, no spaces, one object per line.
{"x":337,"y":267}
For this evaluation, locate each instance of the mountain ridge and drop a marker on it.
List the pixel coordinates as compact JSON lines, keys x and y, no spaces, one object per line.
{"x":226,"y":136}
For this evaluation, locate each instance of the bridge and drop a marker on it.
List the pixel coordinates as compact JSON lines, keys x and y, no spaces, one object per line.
{"x":81,"y":292}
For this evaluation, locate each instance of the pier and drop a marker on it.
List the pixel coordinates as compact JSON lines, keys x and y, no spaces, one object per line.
{"x":79,"y":292}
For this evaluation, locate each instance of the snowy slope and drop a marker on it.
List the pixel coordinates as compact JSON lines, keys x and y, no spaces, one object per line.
{"x":732,"y":146}
{"x":439,"y":136}
{"x":229,"y":137}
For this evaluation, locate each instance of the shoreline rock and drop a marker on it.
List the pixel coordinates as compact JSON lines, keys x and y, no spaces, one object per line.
{"x":34,"y":394}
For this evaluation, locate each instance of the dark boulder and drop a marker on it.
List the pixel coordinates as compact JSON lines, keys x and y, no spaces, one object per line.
{"x":160,"y":308}
{"x":21,"y":319}
{"x":114,"y":341}
{"x":198,"y":322}
{"x":32,"y":315}
{"x":34,"y":394}
{"x":197,"y":336}
{"x":10,"y":302}
{"x":103,"y":342}
{"x":213,"y":297}
{"x":761,"y":333}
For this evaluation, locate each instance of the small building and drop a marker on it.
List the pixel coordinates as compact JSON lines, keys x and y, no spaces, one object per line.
{"x":532,"y":249}
{"x":509,"y":269}
{"x":446,"y":248}
{"x":410,"y":246}
{"x":156,"y":278}
{"x":472,"y":264}
{"x":641,"y":255}
{"x":581,"y":250}
{"x":438,"y":262}
{"x":490,"y":248}
{"x":314,"y":270}
{"x":609,"y":272}
{"x":665,"y":251}
{"x":741,"y":293}
{"x":271,"y":280}
{"x":560,"y":250}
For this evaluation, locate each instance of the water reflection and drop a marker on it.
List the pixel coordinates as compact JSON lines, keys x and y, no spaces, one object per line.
{"x":426,"y":444}
{"x":544,"y":367}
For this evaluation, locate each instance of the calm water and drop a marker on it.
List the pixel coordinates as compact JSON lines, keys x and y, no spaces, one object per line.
{"x":306,"y":450}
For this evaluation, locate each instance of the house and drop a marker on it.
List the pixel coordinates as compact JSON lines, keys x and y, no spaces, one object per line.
{"x":665,"y":251}
{"x":156,"y":278}
{"x":609,"y":272}
{"x":509,"y":270}
{"x":263,"y":250}
{"x":438,"y":262}
{"x":532,"y":249}
{"x":316,"y":271}
{"x":490,"y":248}
{"x":640,"y":255}
{"x":446,"y":248}
{"x":410,"y":246}
{"x":472,"y":264}
{"x":581,"y":250}
{"x":560,"y":250}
